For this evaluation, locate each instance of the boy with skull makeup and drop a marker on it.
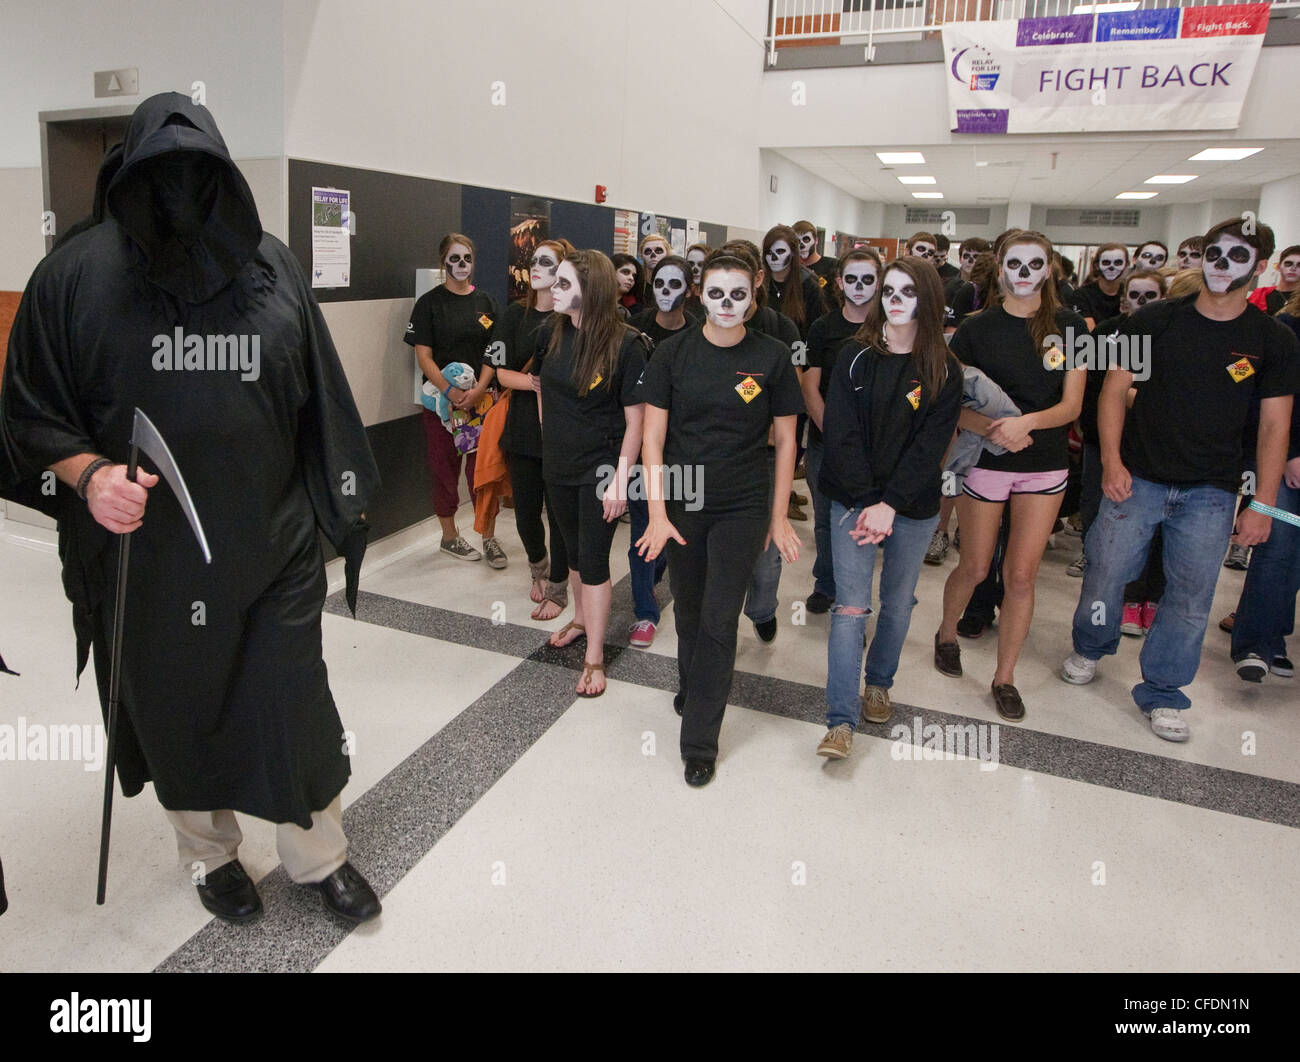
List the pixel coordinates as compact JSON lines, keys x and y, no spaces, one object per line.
{"x":823,"y":268}
{"x":1097,"y":299}
{"x":1015,"y":342}
{"x":889,"y":417}
{"x":453,"y":323}
{"x":1189,"y":253}
{"x":654,"y":249}
{"x":970,"y":250}
{"x":947,"y":271}
{"x":518,"y":347}
{"x":1174,"y":462}
{"x":1151,"y":255}
{"x":696,"y":253}
{"x":1272,"y":299}
{"x":857,"y":287}
{"x":712,"y":393}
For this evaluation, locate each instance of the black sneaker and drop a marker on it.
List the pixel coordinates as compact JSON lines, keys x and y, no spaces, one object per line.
{"x":818,"y":603}
{"x":766,"y":630}
{"x":1251,"y":668}
{"x":972,"y":626}
{"x":1282,"y":667}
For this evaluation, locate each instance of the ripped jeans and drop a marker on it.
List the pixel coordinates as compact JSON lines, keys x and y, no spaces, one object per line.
{"x":855,"y":565}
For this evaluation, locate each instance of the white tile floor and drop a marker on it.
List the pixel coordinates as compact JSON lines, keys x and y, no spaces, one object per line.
{"x":590,"y":852}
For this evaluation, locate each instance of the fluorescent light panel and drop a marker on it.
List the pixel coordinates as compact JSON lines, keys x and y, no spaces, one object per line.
{"x":1171,"y":178}
{"x":1137,"y":195}
{"x":901,"y":158}
{"x":917,"y":180}
{"x":927,"y":195}
{"x":1224,"y":154}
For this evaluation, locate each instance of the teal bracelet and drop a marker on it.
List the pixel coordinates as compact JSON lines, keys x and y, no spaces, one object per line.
{"x":1275,"y":513}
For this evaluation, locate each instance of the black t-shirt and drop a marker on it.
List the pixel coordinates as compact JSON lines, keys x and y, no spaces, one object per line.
{"x":456,"y":327}
{"x":965,"y":301}
{"x":1091,"y":301}
{"x":646,"y":322}
{"x":947,"y":272}
{"x":1096,"y":379}
{"x":951,"y":286}
{"x":1275,"y":300}
{"x":523,"y":335}
{"x":814,"y":303}
{"x":1001,"y":347}
{"x":720,"y":402}
{"x":826,"y":337}
{"x":582,"y":430}
{"x":1189,"y":416}
{"x":825,"y":269}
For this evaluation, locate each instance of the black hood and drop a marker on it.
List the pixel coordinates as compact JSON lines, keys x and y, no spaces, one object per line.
{"x":181,"y":199}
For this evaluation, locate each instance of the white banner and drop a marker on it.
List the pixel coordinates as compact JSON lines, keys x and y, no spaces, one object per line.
{"x":1170,"y":68}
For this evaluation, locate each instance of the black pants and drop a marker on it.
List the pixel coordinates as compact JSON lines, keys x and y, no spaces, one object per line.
{"x":709,"y":577}
{"x":1150,"y":585}
{"x":529,"y":492}
{"x":587,"y":535}
{"x":988,"y":595}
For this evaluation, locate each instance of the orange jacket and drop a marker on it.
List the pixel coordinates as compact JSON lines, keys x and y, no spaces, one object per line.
{"x":491,"y":477}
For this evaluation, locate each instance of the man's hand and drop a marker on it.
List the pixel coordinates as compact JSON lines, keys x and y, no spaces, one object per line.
{"x":1116,"y":482}
{"x":115,"y":502}
{"x":1252,"y":528}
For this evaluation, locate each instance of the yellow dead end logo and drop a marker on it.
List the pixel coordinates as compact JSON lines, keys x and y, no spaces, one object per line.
{"x":1056,"y":358}
{"x":748,"y":389}
{"x":1239,"y":370}
{"x":485,"y":320}
{"x":596,"y":382}
{"x":914,"y":397}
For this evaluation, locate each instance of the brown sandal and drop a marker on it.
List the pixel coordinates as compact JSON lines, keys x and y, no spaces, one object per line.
{"x":570,"y":626}
{"x":588,"y":670}
{"x":538,"y":572}
{"x":555,"y":594}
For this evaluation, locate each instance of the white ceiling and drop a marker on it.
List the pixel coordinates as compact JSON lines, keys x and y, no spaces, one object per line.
{"x":1085,"y":173}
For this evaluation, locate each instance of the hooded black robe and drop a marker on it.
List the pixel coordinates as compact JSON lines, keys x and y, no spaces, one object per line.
{"x":225,"y":700}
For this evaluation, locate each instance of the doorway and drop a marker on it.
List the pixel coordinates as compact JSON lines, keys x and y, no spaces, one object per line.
{"x":73,"y":144}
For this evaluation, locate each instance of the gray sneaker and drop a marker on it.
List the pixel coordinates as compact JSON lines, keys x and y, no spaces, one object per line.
{"x":1168,"y":723}
{"x":1076,"y":570}
{"x":938,"y":550}
{"x":460,"y":549}
{"x":496,"y":556}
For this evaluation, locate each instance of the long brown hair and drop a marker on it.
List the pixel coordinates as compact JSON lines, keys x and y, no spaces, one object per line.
{"x":1094,"y":270}
{"x":1043,"y":323}
{"x":930,"y":351}
{"x":595,"y":351}
{"x":792,"y":301}
{"x":562,"y":248}
{"x":984,"y":276}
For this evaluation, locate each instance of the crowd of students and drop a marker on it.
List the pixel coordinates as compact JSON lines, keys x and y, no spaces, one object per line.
{"x":1149,"y":409}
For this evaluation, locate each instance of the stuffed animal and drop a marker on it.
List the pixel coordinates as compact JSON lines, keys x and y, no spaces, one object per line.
{"x":457,"y":374}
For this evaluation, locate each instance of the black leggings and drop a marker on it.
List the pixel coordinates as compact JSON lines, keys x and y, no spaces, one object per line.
{"x":587,"y":535}
{"x":709,"y":577}
{"x":529,"y":491}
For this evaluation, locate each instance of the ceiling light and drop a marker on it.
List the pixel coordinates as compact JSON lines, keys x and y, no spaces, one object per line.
{"x":981,"y":164}
{"x":1171,"y":178}
{"x":1137,"y":195}
{"x":917,"y":180}
{"x":901,"y":158}
{"x":1223,"y":154}
{"x":927,"y":195}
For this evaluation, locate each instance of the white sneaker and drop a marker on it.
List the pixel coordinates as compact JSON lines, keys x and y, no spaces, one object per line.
{"x":1168,"y":723}
{"x":1078,"y":669}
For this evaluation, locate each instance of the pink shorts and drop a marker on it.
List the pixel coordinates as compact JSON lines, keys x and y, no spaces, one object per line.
{"x":984,"y":484}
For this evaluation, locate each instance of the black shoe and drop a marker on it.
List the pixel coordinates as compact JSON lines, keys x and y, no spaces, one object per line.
{"x":1009,"y":705}
{"x":349,"y":895}
{"x":699,"y":772}
{"x":1282,"y":667}
{"x":766,"y":630}
{"x":818,"y":603}
{"x":229,"y":893}
{"x":972,"y":626}
{"x":947,"y":657}
{"x":1251,"y":668}
{"x":679,"y":702}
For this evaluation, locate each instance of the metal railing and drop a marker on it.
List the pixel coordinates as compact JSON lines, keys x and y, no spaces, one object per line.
{"x":793,"y":23}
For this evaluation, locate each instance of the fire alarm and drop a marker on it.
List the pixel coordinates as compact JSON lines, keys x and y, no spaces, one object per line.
{"x":600,"y":193}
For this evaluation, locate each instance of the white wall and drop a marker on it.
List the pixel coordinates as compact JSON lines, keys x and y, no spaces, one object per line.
{"x":802,"y":195}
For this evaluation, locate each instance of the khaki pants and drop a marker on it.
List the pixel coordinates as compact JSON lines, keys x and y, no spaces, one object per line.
{"x":207,"y":840}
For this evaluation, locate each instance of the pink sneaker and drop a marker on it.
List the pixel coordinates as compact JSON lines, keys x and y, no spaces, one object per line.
{"x":1131,"y":622}
{"x":641,"y":635}
{"x":1148,"y":615}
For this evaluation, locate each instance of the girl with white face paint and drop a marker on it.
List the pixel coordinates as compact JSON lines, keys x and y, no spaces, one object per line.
{"x":1097,"y":299}
{"x":1151,"y":255}
{"x":791,"y":289}
{"x":591,"y":419}
{"x":711,"y":394}
{"x":894,"y":399}
{"x":857,"y":283}
{"x":1021,"y":344}
{"x":1272,"y":298}
{"x":453,"y":323}
{"x":518,"y":346}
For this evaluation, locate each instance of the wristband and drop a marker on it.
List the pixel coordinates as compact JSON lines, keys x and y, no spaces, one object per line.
{"x":83,"y":484}
{"x":1275,"y":513}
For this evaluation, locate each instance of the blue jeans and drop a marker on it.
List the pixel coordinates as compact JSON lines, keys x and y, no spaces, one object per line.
{"x":1266,"y":612}
{"x":644,"y":574}
{"x":1195,"y":523}
{"x":854,"y":566}
{"x":823,"y":568}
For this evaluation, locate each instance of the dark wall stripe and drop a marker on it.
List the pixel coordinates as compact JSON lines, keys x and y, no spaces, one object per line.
{"x":583,"y":224}
{"x":485,"y":219}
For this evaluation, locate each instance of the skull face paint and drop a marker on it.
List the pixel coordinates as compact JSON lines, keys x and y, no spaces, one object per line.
{"x":898,"y":297}
{"x":542,"y":267}
{"x":1189,"y":257}
{"x":1110,"y":264}
{"x":967,"y":261}
{"x":1228,"y":264}
{"x":1290,"y":269}
{"x":1139,"y":293}
{"x":626,"y":277}
{"x":655,"y":252}
{"x":1025,"y":269}
{"x":807,"y":244}
{"x":566,"y":291}
{"x":858,"y":282}
{"x":726,"y":297}
{"x":669,"y":288}
{"x":778,"y":256}
{"x":459,"y":262}
{"x":1152,"y":256}
{"x":928,"y":251}
{"x":696,"y":258}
